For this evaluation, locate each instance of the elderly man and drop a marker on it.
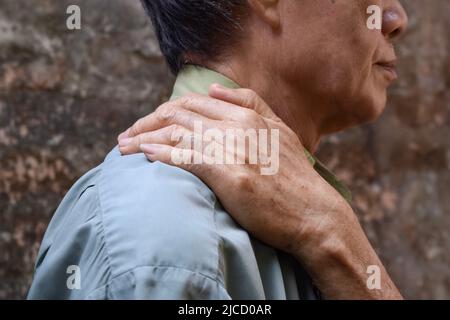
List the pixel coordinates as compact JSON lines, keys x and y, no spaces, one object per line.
{"x":133,"y":228}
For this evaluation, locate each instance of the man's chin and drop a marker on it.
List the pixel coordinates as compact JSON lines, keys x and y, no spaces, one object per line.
{"x":373,"y":108}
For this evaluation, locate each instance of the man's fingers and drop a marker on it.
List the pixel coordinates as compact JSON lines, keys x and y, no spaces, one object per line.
{"x":177,"y":111}
{"x":158,"y":152}
{"x":209,"y":107}
{"x":246,"y":98}
{"x":168,"y":115}
{"x":181,"y":158}
{"x":223,"y":104}
{"x":170,"y":135}
{"x":124,"y":135}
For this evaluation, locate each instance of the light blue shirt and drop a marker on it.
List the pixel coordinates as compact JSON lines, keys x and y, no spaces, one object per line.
{"x":132,"y":229}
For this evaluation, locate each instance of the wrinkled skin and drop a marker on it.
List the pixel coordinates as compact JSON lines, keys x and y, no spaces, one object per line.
{"x":319,"y":70}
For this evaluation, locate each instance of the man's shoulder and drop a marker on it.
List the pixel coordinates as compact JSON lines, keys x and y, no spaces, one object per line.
{"x":156,"y":215}
{"x":130,"y":223}
{"x":136,"y":171}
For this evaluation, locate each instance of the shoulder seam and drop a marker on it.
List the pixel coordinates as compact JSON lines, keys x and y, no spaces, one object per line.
{"x":102,"y":226}
{"x":218,"y":273}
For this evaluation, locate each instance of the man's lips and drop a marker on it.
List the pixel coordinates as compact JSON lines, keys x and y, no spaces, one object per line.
{"x":390,"y":68}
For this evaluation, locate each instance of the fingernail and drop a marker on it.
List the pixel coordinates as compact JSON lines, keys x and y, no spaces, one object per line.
{"x":125,"y":142}
{"x":124,"y":135}
{"x":149,"y":156}
{"x":150,"y":148}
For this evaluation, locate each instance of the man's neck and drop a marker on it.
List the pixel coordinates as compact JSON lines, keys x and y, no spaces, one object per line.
{"x":288,"y":104}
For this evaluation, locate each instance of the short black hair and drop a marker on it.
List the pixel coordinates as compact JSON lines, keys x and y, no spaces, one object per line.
{"x":202,"y":28}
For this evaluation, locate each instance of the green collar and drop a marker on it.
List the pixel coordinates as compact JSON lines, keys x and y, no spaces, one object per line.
{"x":198,"y":79}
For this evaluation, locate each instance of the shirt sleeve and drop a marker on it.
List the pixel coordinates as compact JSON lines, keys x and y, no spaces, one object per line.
{"x":135,"y":254}
{"x":72,"y":259}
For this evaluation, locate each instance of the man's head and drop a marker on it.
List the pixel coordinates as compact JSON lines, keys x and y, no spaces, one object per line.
{"x":200,"y":28}
{"x":319,"y":50}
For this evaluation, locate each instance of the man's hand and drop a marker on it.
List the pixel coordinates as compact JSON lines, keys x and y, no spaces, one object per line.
{"x":294,"y":210}
{"x":277,"y":209}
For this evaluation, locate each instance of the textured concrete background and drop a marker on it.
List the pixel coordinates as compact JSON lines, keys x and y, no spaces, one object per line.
{"x":64,"y":95}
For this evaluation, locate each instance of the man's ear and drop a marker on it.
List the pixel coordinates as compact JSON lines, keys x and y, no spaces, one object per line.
{"x":268,"y":10}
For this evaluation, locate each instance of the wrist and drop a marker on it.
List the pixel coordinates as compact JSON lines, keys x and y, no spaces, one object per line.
{"x":336,"y":253}
{"x":324,"y":235}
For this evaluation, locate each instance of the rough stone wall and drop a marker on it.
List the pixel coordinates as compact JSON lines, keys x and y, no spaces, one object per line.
{"x":64,"y":96}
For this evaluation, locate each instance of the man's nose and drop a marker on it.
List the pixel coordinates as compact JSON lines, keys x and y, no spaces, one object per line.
{"x":395,"y":20}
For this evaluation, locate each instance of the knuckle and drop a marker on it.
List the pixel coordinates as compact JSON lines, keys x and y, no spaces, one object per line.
{"x":136,"y":128}
{"x":166,"y":115}
{"x":250,"y":97}
{"x":138,"y":140}
{"x":250,"y":92}
{"x":175,"y":133}
{"x":185,"y":100}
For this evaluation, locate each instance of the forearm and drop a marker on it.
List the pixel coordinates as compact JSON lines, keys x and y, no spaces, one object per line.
{"x":338,"y":255}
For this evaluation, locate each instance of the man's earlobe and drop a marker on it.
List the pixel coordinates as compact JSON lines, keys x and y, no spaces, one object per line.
{"x":268,"y":10}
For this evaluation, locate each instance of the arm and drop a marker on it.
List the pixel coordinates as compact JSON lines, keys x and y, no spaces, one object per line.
{"x":338,"y":255}
{"x":294,"y":210}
